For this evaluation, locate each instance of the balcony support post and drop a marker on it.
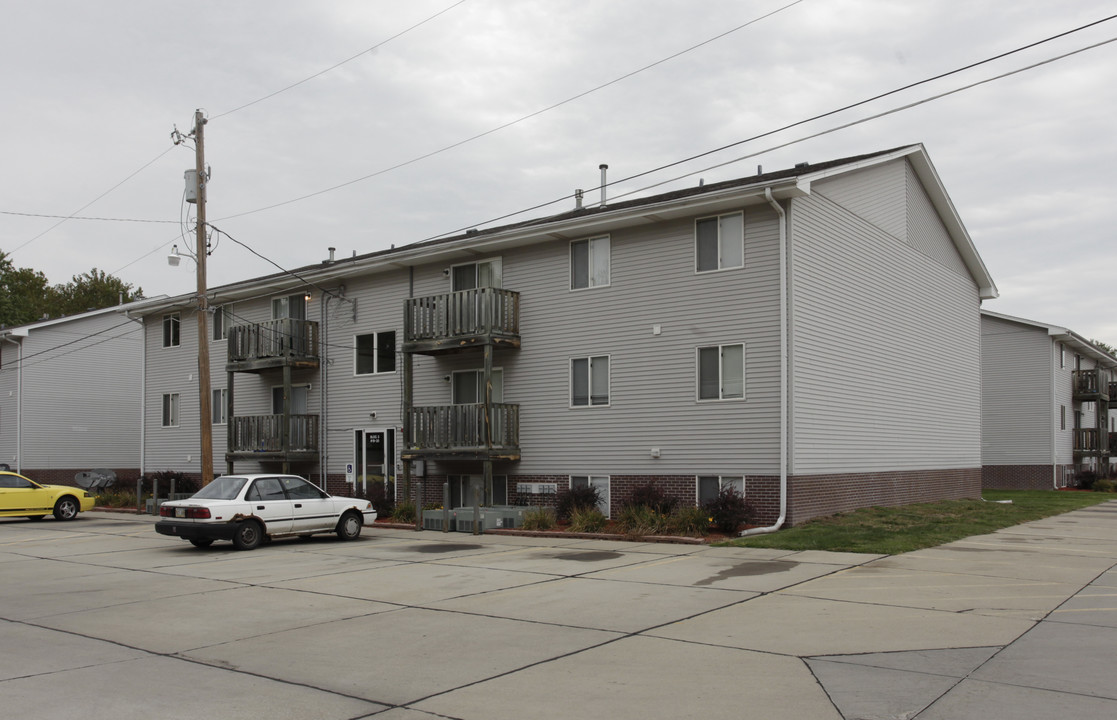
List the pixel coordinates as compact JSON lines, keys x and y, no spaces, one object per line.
{"x":229,"y":424}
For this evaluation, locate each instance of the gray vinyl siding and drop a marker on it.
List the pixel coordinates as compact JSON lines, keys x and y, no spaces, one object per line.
{"x":9,"y":404}
{"x":1016,"y":392}
{"x":173,"y":370}
{"x":81,"y":395}
{"x":885,"y":339}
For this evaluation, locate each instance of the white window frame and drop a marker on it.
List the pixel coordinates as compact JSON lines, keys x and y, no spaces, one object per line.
{"x":723,"y":480}
{"x":592,"y":268}
{"x":170,"y":410}
{"x":589,"y":379}
{"x":376,"y":354}
{"x":281,"y":306}
{"x":723,"y":243}
{"x":294,"y":386}
{"x":219,"y":318}
{"x":721,"y":373}
{"x":497,"y":269}
{"x":603,"y":483}
{"x":219,"y":406}
{"x":479,"y":376}
{"x":172,"y":330}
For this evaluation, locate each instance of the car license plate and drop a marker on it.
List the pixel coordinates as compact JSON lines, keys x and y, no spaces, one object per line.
{"x":180,"y":512}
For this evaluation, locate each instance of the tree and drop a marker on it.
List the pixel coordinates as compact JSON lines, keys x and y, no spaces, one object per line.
{"x":25,"y":295}
{"x":1105,"y":346}
{"x":92,"y":291}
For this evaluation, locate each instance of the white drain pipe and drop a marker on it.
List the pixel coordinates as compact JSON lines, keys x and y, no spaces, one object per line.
{"x":783,"y":370}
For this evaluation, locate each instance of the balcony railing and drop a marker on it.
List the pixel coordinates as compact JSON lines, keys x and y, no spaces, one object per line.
{"x":1092,"y":384}
{"x":265,"y":434}
{"x":285,"y":338}
{"x":465,"y":313}
{"x":1091,"y":441}
{"x":466,"y":429}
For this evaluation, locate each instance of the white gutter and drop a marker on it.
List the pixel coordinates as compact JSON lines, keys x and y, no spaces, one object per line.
{"x":1054,"y":433}
{"x":19,"y":399}
{"x":783,"y":371}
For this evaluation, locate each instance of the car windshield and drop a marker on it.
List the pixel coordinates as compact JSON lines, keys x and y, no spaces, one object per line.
{"x":222,"y":488}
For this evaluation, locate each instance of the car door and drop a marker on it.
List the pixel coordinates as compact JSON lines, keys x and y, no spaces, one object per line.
{"x":312,"y":510}
{"x":18,"y":495}
{"x":268,"y":501}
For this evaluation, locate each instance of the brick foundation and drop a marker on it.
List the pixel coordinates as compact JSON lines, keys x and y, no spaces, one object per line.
{"x":1026,"y":477}
{"x":65,"y":476}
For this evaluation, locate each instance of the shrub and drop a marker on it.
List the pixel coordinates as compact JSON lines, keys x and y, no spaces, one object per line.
{"x":690,"y":520}
{"x":538,"y":518}
{"x":404,"y":512}
{"x":116,"y":499}
{"x":588,"y":520}
{"x":379,"y":494}
{"x":1086,"y":480}
{"x":729,"y":511}
{"x":653,"y":496}
{"x":1104,"y":486}
{"x":640,"y":520}
{"x":576,"y":498}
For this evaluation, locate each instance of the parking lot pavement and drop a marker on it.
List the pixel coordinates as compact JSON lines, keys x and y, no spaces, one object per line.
{"x":104,"y":618}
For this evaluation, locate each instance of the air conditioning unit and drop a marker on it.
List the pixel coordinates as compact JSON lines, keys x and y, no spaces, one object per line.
{"x":432,"y":520}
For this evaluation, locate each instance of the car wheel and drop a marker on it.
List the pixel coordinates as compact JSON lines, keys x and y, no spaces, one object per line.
{"x":66,"y":508}
{"x":35,"y":517}
{"x":201,"y":542}
{"x":349,"y":527}
{"x":248,"y":535}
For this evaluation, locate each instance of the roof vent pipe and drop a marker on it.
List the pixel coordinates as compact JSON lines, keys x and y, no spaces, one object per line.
{"x":578,"y":195}
{"x":332,"y":251}
{"x":603,"y":167}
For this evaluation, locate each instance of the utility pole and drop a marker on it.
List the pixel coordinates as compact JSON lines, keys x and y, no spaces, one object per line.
{"x":201,"y":246}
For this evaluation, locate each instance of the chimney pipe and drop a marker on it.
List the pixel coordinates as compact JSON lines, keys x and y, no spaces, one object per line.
{"x":578,"y":195}
{"x":332,"y":251}
{"x":603,"y":167}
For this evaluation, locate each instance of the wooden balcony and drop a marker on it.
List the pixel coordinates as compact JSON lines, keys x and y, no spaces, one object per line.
{"x":1091,"y":442}
{"x":1092,"y":385}
{"x":458,"y":321}
{"x":267,"y":437}
{"x":272,"y":344}
{"x":465,"y":432}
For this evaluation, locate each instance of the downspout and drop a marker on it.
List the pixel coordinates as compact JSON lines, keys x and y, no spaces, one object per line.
{"x":1054,"y":433}
{"x":143,"y":391}
{"x":783,"y":370}
{"x":19,"y":404}
{"x":324,"y":400}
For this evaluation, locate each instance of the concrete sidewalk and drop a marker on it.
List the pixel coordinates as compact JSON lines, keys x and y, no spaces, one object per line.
{"x":105,"y":618}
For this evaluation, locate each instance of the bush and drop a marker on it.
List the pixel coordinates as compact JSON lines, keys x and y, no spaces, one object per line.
{"x":538,"y":518}
{"x":729,"y":511}
{"x":583,"y":497}
{"x":116,"y":499}
{"x":654,"y":497}
{"x":1104,"y":486}
{"x":640,"y":520}
{"x":1086,"y":479}
{"x":588,"y":520}
{"x":379,"y":494}
{"x":404,"y":512}
{"x":690,"y":520}
{"x":183,"y":483}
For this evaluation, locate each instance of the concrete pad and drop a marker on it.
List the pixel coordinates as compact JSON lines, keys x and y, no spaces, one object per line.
{"x":1106,"y":579}
{"x":868,"y":692}
{"x":592,"y":603}
{"x":554,"y":561}
{"x":726,"y":573}
{"x":1058,"y":656}
{"x":414,"y":584}
{"x":1027,"y":599}
{"x":747,"y":553}
{"x":409,"y":549}
{"x":639,"y":678}
{"x":397,"y":658}
{"x":44,"y":591}
{"x":975,"y":700}
{"x":799,"y":626}
{"x":171,"y":689}
{"x":30,"y":651}
{"x":227,"y":615}
{"x":270,"y":566}
{"x":954,"y":662}
{"x":1022,"y":564}
{"x":1093,"y":606}
{"x":823,"y":557}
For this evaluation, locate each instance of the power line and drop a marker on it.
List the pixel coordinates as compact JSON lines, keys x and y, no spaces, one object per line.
{"x":343,"y":62}
{"x":78,"y":217}
{"x":516,"y":121}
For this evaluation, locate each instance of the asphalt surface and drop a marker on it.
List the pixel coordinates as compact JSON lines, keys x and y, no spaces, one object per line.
{"x":103,"y":618}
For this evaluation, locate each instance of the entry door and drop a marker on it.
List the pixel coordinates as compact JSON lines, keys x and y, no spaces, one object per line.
{"x":374,"y":459}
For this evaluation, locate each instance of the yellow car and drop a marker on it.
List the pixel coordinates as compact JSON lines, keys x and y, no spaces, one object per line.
{"x":20,"y":497}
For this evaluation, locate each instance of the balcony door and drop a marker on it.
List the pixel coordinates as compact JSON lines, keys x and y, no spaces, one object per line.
{"x":299,"y":434}
{"x":486,"y":273}
{"x":468,"y":388}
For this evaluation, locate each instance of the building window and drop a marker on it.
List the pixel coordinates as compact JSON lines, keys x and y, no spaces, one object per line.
{"x":291,"y":306}
{"x":300,"y":395}
{"x":467,"y":490}
{"x":486,"y":273}
{"x":721,"y":372}
{"x":710,"y":486}
{"x":467,"y":387}
{"x":589,"y":263}
{"x":601,"y":482}
{"x":1062,"y":417}
{"x":1062,"y":355}
{"x":170,"y":330}
{"x":719,"y":242}
{"x":218,"y":323}
{"x":219,"y":406}
{"x":170,"y":410}
{"x":375,"y":353}
{"x":589,"y":381}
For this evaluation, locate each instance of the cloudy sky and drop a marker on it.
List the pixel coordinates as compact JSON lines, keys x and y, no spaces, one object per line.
{"x":440,"y":115}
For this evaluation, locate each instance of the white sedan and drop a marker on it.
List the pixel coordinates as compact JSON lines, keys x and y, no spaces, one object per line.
{"x":249,"y":508}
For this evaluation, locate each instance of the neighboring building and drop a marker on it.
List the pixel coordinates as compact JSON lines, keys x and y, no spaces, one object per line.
{"x":70,"y":395}
{"x":1046,"y":393}
{"x":811,"y":335}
